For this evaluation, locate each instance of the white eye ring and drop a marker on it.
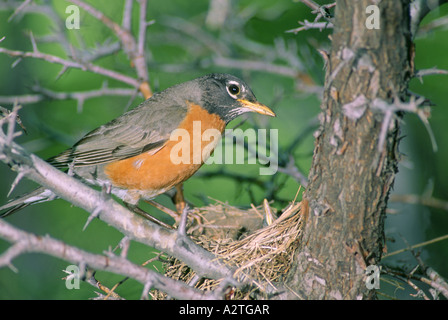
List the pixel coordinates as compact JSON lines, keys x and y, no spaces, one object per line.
{"x":233,"y":89}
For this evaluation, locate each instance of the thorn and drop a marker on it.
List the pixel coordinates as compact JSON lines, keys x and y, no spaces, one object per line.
{"x":388,"y":114}
{"x":13,"y":268}
{"x":19,"y":177}
{"x":109,"y":253}
{"x":26,"y":2}
{"x":63,"y":70}
{"x":71,"y":168}
{"x":425,"y":121}
{"x":80,"y":105}
{"x":145,"y":292}
{"x":12,"y":116}
{"x":18,"y":120}
{"x":5,"y":113}
{"x":150,"y":22}
{"x":92,"y":216}
{"x":124,"y":246}
{"x":15,"y":63}
{"x":33,"y":43}
{"x":73,"y":52}
{"x":325,"y":55}
{"x":106,"y":190}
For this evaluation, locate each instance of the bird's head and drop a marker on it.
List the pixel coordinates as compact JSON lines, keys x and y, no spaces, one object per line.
{"x":229,"y":96}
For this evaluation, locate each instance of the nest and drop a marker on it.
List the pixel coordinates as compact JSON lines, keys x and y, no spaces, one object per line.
{"x":241,"y":240}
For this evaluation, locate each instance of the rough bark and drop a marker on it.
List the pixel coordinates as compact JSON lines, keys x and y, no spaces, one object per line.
{"x":355,"y":160}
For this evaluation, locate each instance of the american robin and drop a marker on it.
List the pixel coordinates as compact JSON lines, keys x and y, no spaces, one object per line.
{"x":133,"y":154}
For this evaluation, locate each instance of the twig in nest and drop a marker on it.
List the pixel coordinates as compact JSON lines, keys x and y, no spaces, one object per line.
{"x":263,"y":257}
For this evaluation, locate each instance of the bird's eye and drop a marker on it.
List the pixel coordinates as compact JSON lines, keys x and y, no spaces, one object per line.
{"x":233,"y":90}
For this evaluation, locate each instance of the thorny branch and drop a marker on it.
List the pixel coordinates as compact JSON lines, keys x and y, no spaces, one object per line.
{"x":415,"y":105}
{"x":102,"y":206}
{"x":24,"y":242}
{"x":321,"y":12}
{"x":419,"y":10}
{"x":306,"y":25}
{"x":72,"y":64}
{"x":80,"y":96}
{"x":427,"y":274}
{"x":133,"y":48}
{"x":99,"y":204}
{"x":424,"y":200}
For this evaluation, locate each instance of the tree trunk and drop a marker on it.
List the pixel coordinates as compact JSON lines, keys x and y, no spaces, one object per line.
{"x":355,"y":157}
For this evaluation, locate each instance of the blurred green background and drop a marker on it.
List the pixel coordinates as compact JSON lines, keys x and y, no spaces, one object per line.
{"x":182,"y":44}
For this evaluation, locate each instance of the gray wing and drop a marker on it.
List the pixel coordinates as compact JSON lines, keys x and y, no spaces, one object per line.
{"x":143,"y":129}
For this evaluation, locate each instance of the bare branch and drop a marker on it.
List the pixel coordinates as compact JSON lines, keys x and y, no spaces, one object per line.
{"x":419,"y":10}
{"x":255,"y":65}
{"x":306,"y":25}
{"x":100,"y":51}
{"x":127,"y":15}
{"x":441,"y":23}
{"x":123,"y":34}
{"x":142,"y":27}
{"x":422,"y":244}
{"x":321,"y":11}
{"x":427,"y":72}
{"x":73,"y":64}
{"x":133,"y":49}
{"x":79,"y":96}
{"x":24,"y":242}
{"x":311,"y":4}
{"x":19,"y":8}
{"x":422,"y":200}
{"x":437,"y":282}
{"x":414,"y":106}
{"x":292,"y":170}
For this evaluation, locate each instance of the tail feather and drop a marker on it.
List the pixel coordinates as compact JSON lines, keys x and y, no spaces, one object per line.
{"x":39,"y":195}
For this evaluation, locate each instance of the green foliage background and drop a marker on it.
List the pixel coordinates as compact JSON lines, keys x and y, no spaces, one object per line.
{"x":175,"y":56}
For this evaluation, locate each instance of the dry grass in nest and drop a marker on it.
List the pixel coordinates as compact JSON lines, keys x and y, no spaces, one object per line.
{"x":236,"y":237}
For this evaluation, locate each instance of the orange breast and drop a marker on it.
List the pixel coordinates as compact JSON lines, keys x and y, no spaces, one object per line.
{"x":177,"y":161}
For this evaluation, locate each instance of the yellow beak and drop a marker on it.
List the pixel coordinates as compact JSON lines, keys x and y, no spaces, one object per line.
{"x":257,"y":107}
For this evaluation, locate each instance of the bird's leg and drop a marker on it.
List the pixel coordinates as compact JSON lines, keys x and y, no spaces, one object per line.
{"x":146,"y":215}
{"x":182,"y":205}
{"x":178,"y":199}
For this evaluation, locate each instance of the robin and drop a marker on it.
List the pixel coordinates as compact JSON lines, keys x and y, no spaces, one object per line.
{"x":132,"y":155}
